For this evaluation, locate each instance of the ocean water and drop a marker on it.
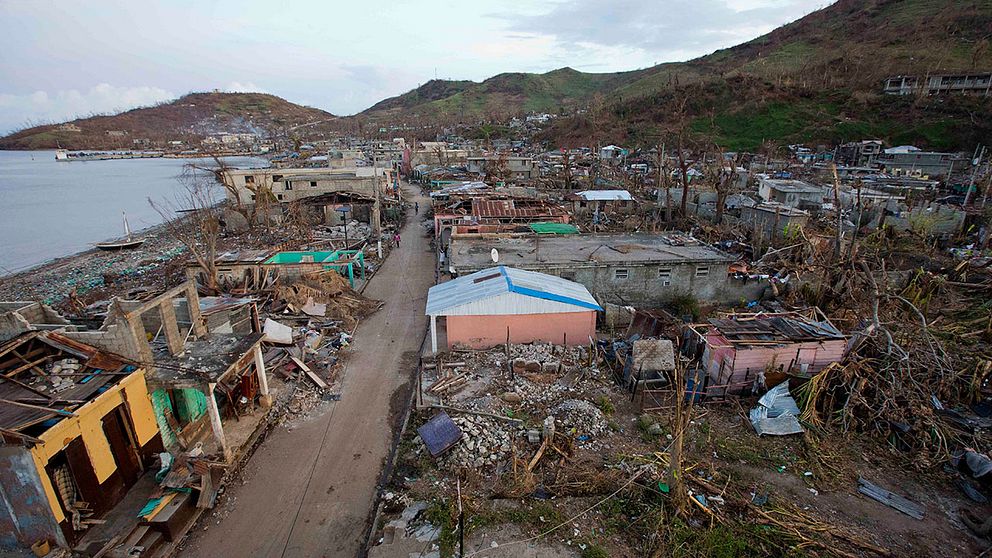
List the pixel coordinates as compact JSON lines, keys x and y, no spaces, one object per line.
{"x":50,"y":209}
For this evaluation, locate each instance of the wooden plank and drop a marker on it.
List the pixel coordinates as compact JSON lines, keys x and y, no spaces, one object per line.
{"x":32,"y":439}
{"x":62,"y":412}
{"x":106,"y":548}
{"x":24,"y":367}
{"x":23,"y":358}
{"x":17,"y":342}
{"x":29,"y":388}
{"x":537,"y":456}
{"x":153,"y":302}
{"x":310,"y":374}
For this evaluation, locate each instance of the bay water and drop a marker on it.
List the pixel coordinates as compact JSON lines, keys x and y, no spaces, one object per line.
{"x":50,"y":209}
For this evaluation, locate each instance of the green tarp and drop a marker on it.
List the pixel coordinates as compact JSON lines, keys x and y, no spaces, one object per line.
{"x":553,"y":228}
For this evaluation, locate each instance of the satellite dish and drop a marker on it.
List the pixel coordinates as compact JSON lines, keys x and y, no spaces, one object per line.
{"x":495,"y":255}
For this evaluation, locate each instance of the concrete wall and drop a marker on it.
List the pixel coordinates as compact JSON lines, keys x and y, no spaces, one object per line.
{"x":645,"y":286}
{"x":768,"y":224}
{"x":113,"y":338}
{"x":480,"y":332}
{"x":327,"y":181}
{"x":19,"y":317}
{"x":12,"y":324}
{"x":25,"y":513}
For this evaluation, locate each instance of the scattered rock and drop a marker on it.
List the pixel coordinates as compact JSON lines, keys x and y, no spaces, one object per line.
{"x":511,"y":397}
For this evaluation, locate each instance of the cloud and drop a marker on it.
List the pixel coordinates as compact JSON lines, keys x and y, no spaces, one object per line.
{"x":672,"y":30}
{"x":67,"y":104}
{"x":238,"y":87}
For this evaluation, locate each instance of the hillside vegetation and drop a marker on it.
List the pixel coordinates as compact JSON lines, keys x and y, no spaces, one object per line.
{"x":500,"y":96}
{"x":189,"y":119}
{"x":817,"y":79}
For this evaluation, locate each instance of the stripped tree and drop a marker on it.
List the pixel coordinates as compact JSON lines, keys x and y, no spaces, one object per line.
{"x":193,"y":218}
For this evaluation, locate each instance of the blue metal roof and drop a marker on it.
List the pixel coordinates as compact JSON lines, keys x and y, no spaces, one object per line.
{"x":501,"y":280}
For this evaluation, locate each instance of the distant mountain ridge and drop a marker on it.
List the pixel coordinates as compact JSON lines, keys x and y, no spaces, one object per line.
{"x":816,"y":79}
{"x":189,"y":119}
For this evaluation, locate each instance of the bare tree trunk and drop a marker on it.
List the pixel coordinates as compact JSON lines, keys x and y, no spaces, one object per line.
{"x":840,"y":218}
{"x":199,"y":229}
{"x":682,"y":414}
{"x":684,"y":171}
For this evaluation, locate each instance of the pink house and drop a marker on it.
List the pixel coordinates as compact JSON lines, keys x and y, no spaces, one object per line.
{"x":485,"y":308}
{"x":735,"y":350}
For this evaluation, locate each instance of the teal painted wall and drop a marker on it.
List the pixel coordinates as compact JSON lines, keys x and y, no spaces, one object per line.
{"x":163,"y":406}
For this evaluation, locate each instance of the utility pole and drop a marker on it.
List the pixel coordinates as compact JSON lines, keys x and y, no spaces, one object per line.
{"x":974,"y":175}
{"x":376,"y":208}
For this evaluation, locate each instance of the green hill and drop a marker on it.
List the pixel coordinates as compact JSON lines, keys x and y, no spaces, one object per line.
{"x":818,"y":79}
{"x":500,"y":96}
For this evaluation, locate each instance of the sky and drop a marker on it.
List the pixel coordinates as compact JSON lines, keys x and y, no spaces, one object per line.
{"x":66,"y":59}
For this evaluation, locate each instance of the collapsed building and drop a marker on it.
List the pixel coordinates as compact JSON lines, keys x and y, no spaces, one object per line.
{"x":331,"y":193}
{"x":741,"y":351}
{"x":78,"y":429}
{"x":287,"y":185}
{"x":87,"y":409}
{"x":480,"y":213}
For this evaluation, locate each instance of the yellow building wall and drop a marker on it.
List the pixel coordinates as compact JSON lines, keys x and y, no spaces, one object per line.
{"x":88,"y":423}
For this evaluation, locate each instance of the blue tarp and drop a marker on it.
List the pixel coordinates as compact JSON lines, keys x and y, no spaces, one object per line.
{"x":439,"y":434}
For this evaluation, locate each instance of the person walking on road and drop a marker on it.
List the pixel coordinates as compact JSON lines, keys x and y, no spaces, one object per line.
{"x":396,"y":239}
{"x":416,"y":208}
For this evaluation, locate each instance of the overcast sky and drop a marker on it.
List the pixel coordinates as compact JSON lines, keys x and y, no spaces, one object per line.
{"x":69,"y":58}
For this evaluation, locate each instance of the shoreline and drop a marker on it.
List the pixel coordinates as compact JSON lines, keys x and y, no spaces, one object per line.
{"x":32,"y":268}
{"x":55,"y":280}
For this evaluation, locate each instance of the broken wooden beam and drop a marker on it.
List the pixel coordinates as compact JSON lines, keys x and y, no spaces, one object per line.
{"x":309,"y":373}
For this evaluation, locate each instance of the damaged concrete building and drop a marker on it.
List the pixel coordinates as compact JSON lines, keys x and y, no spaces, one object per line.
{"x":194,"y":372}
{"x":287,"y":185}
{"x":626,"y":269}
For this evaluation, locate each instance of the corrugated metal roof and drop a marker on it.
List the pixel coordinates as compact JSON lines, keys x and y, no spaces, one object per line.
{"x":510,"y":209}
{"x":504,"y":290}
{"x":605,"y":195}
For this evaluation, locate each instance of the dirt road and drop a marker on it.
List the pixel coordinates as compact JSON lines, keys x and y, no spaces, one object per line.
{"x":308,"y":490}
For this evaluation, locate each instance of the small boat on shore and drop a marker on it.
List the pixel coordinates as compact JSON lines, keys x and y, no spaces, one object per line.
{"x":124,"y":244}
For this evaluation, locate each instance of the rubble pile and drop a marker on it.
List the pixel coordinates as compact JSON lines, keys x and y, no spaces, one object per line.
{"x":60,"y":374}
{"x":356,"y":231}
{"x":535,"y":396}
{"x":544,"y":352}
{"x":305,"y":399}
{"x":580,"y":416}
{"x":485,"y":442}
{"x":326,"y":294}
{"x":94,"y":270}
